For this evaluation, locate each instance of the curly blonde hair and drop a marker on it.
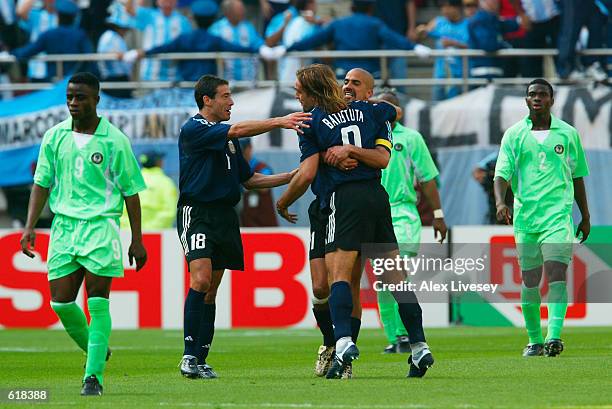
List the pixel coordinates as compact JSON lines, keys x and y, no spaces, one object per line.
{"x":319,"y":82}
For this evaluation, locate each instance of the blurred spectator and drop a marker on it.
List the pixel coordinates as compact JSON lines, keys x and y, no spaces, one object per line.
{"x":235,"y":29}
{"x":399,"y":16}
{"x":486,"y":29}
{"x":358,"y":31}
{"x":159,"y":26}
{"x":293,"y":25}
{"x":470,"y":7}
{"x":483,"y":173}
{"x":113,"y":41}
{"x":93,"y":16}
{"x":36,"y":21}
{"x":542,"y":19}
{"x":64,"y":39}
{"x":270,"y":8}
{"x":576,"y":14}
{"x":8,"y":24}
{"x":199,"y":40}
{"x":257,"y":205}
{"x":158,"y":200}
{"x":513,"y":67}
{"x":450,"y":31}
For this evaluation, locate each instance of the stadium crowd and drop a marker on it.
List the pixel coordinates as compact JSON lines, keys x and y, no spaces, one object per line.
{"x":134,"y":29}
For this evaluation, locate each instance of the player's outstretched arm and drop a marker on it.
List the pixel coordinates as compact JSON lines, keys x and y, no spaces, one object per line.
{"x":297,"y":187}
{"x":260,"y":181}
{"x":38,"y":198}
{"x":136,"y":251}
{"x":295,"y":121}
{"x":580,"y":196}
{"x":500,"y":187}
{"x":430,"y":190}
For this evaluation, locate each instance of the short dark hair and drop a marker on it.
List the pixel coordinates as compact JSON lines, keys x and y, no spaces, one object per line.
{"x":540,"y":81}
{"x":363,"y":6}
{"x":453,"y":3}
{"x":64,"y":19}
{"x":204,"y":21}
{"x":301,"y":4}
{"x":86,"y":78}
{"x":389,"y":96}
{"x":207,"y":85}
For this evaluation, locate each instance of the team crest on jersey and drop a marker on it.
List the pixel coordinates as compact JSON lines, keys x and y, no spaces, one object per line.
{"x":97,"y":158}
{"x":398,"y":147}
{"x":231,"y":146}
{"x":559,"y":149}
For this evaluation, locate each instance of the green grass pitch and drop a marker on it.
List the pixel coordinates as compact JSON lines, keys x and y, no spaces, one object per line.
{"x":475,"y":368}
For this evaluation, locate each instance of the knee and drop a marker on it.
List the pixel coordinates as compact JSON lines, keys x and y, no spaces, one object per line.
{"x":531,"y":282}
{"x":199,"y":282}
{"x":211,"y":296}
{"x":531,"y":278}
{"x":320,"y":291}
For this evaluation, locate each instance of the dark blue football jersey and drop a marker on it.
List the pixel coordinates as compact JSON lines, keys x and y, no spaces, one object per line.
{"x":362,"y":124}
{"x":212,"y":167}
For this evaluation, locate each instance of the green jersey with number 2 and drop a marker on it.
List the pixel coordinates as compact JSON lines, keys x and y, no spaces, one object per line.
{"x":541,"y":169}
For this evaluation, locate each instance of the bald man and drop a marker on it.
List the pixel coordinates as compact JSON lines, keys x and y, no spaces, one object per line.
{"x":409,"y":157}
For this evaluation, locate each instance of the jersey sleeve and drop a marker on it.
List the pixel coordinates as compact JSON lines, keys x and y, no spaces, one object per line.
{"x":435,"y":31}
{"x":144,"y":15}
{"x":125,"y":170}
{"x":308,"y":144}
{"x":201,"y":135}
{"x":255,"y":39}
{"x":577,"y":158}
{"x":384,"y":112}
{"x":45,"y":166}
{"x":275,"y":24}
{"x":244,"y":169}
{"x":506,"y":160}
{"x":424,"y":167}
{"x":385,"y":137}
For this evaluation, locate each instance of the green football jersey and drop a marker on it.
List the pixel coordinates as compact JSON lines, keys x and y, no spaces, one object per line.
{"x":410,"y":159}
{"x":541,"y":173}
{"x":88,"y":175}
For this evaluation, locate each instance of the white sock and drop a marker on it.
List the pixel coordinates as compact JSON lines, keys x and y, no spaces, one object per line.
{"x":419,"y":349}
{"x":342,"y":345}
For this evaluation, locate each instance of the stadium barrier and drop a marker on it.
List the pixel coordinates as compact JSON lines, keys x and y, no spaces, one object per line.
{"x":273,"y":291}
{"x":382,"y":55}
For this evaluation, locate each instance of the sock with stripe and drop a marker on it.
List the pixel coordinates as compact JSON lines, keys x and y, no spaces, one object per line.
{"x":557,"y":307}
{"x":74,"y":321}
{"x":192,"y":319}
{"x":530,"y":304}
{"x":411,"y":315}
{"x":341,"y":306}
{"x":207,"y":332}
{"x":99,"y":332}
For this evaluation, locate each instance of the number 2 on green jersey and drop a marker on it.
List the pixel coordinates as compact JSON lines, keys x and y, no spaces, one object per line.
{"x":542,"y":157}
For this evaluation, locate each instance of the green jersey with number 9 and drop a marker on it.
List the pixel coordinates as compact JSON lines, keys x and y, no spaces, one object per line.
{"x":541,"y":169}
{"x":88,"y":175}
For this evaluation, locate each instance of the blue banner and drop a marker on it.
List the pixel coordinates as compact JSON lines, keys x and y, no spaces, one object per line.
{"x":148,"y":120}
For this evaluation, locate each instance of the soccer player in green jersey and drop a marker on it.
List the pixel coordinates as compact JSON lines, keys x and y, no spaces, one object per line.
{"x":86,"y":169}
{"x":410,"y":159}
{"x":542,"y":157}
